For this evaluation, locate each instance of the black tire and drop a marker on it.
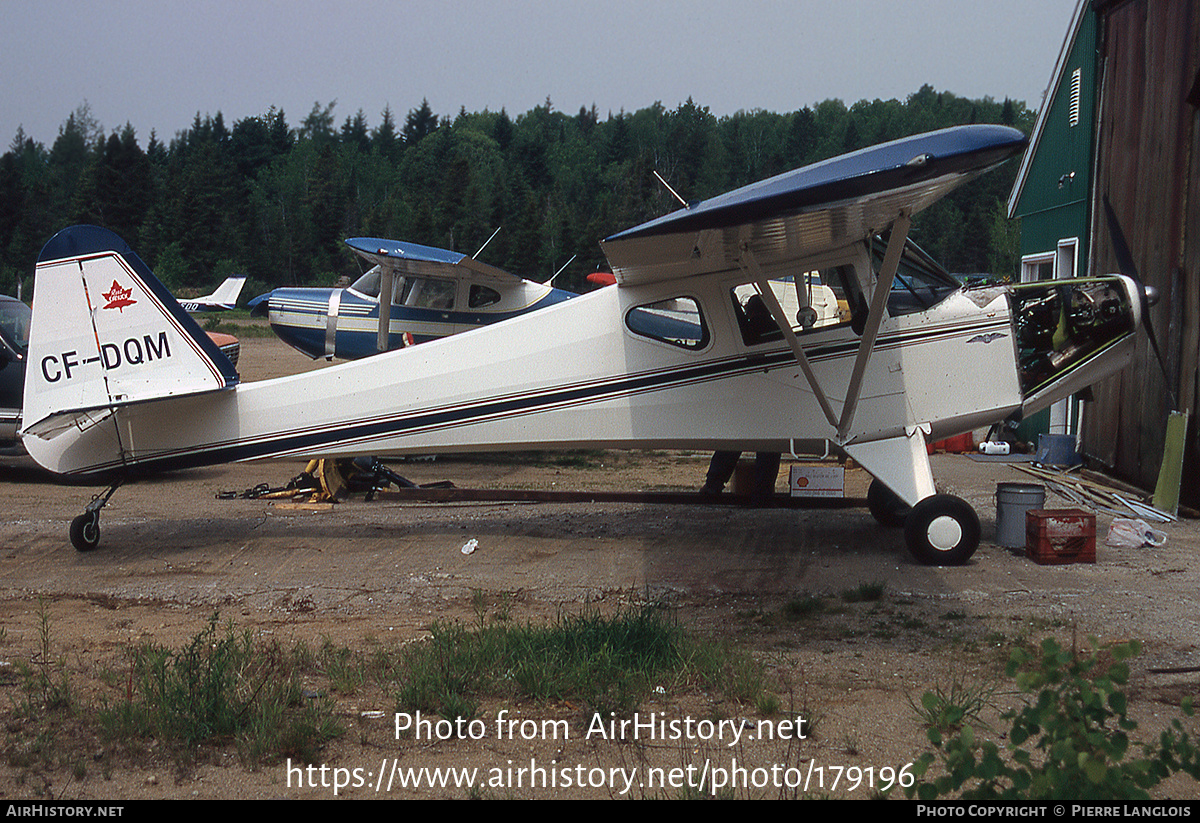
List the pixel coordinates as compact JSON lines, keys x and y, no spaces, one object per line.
{"x":85,"y":531}
{"x":886,"y":506}
{"x":942,"y":530}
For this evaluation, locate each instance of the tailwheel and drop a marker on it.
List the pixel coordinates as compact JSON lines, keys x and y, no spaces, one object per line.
{"x":886,"y":506}
{"x":85,"y":531}
{"x":942,"y":530}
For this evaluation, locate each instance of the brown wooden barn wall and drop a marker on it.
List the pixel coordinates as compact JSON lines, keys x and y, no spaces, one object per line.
{"x":1148,"y":163}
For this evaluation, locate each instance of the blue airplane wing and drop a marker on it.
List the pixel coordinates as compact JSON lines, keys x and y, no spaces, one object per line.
{"x":826,"y":205}
{"x":417,"y":259}
{"x":399,"y":250}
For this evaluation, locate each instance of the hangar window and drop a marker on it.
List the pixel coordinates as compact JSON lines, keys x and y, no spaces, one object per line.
{"x":677,"y":321}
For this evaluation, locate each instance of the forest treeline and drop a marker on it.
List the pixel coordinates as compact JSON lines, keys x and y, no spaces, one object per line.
{"x":275,"y":201}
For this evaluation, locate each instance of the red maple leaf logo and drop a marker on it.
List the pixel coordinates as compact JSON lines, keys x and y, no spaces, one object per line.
{"x":117,"y":297}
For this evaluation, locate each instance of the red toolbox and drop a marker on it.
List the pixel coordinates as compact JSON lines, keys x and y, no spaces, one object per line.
{"x":1057,"y":536}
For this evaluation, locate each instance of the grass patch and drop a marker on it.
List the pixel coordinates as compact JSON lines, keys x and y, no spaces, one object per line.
{"x":222,"y":686}
{"x":228,"y":323}
{"x":1069,"y":737}
{"x":609,"y":664}
{"x":864,"y":593}
{"x":804,"y":605}
{"x":37,"y":740}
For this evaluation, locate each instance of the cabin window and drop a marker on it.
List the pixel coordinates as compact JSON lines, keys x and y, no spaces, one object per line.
{"x":424,"y":293}
{"x":481,"y":297}
{"x":811,"y":301}
{"x":677,"y":321}
{"x":414,"y":292}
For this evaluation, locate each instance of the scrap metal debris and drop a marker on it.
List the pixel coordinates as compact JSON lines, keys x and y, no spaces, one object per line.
{"x":1100,"y":497}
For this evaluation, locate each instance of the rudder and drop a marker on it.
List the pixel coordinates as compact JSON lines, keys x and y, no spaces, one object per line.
{"x":106,"y":333}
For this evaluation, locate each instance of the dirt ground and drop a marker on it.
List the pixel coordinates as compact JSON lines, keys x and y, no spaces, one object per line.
{"x":377,"y":574}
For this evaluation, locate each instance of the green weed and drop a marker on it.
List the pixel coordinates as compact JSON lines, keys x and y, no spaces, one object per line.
{"x":1071,"y":739}
{"x":221,"y":686}
{"x":609,"y":664}
{"x":805,"y":605}
{"x":864,"y":593}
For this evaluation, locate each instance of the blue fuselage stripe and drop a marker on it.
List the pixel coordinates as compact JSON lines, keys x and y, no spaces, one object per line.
{"x":364,"y":431}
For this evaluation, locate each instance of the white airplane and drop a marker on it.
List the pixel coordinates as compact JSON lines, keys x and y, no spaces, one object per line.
{"x":670,"y":358}
{"x":223,"y":299}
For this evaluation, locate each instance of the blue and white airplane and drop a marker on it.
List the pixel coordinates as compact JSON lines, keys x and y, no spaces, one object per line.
{"x":434,"y":293}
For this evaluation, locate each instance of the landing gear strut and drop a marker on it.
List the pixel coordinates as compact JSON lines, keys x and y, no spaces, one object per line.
{"x":85,"y":529}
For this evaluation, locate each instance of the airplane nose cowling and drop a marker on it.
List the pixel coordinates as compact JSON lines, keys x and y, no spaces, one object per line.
{"x":261,"y":305}
{"x":1071,"y":333}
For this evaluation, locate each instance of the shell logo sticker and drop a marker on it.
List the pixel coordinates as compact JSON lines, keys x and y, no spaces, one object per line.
{"x":117,"y":297}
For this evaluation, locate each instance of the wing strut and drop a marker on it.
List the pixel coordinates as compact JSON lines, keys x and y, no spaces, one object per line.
{"x":385,"y":308}
{"x":331,"y":323}
{"x":749,"y":263}
{"x":883,"y":287}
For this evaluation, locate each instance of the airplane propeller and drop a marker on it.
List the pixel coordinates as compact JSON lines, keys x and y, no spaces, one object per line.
{"x":1149,"y":294}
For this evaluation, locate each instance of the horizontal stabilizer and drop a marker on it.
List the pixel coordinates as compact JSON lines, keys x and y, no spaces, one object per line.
{"x":55,"y":424}
{"x":106,"y":333}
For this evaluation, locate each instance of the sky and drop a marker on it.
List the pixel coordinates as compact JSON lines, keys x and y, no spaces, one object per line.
{"x":157,"y":64}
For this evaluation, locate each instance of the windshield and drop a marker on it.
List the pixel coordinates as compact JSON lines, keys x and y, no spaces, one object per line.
{"x":14,"y":323}
{"x":920,"y":282}
{"x":368,"y":284}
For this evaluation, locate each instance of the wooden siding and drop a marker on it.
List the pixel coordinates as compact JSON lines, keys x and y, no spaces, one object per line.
{"x":1148,"y":164}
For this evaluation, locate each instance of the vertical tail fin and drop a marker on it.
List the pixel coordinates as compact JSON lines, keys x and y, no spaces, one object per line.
{"x":106,"y":333}
{"x":224,"y":298}
{"x":227,"y":293}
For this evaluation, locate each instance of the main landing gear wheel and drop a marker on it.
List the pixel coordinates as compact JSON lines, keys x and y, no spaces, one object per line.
{"x":85,"y":531}
{"x":886,"y":506}
{"x":942,"y":530}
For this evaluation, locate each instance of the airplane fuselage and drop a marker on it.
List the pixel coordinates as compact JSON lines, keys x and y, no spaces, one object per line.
{"x":344,"y":323}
